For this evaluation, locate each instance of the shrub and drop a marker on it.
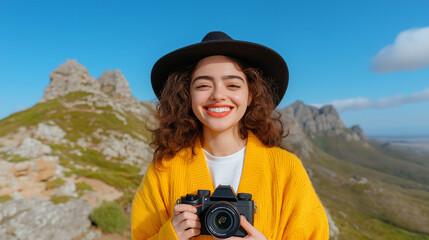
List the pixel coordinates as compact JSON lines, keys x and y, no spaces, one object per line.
{"x":110,"y":218}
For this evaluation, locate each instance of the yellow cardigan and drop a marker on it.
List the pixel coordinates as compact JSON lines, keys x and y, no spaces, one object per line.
{"x":288,"y":207}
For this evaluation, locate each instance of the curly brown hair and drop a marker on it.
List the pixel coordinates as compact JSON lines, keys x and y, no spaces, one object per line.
{"x":179,"y":127}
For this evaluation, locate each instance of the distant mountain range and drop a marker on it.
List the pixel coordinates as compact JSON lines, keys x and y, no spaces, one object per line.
{"x":87,"y":141}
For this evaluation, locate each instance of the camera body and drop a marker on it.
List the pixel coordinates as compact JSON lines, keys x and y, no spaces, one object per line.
{"x":220,"y":213}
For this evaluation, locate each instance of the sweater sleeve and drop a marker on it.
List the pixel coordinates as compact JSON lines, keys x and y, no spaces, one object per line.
{"x":149,"y":215}
{"x":308,"y":219}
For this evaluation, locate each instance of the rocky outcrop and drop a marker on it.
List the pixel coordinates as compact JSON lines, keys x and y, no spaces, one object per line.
{"x":31,"y":148}
{"x":28,"y":163}
{"x":114,"y":84}
{"x":360,"y":133}
{"x":35,"y":218}
{"x":69,"y":77}
{"x":314,"y":120}
{"x":28,"y":179}
{"x":323,"y":121}
{"x":49,"y":132}
{"x":296,"y":140}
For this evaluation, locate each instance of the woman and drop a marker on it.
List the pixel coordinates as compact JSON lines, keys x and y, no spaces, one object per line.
{"x":216,"y":126}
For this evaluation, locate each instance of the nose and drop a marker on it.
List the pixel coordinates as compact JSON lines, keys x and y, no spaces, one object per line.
{"x":218,"y":93}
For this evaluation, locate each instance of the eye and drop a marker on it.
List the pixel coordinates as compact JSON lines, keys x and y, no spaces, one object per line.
{"x":233,"y":85}
{"x":203,"y":86}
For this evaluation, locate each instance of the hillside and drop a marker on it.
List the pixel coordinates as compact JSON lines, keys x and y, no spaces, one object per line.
{"x":87,"y":142}
{"x":371,"y":189}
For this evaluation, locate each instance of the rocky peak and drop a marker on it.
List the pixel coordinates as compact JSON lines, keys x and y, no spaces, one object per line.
{"x":70,"y":76}
{"x":359,"y":131}
{"x":303,"y":112}
{"x":114,"y":84}
{"x":314,"y":120}
{"x":329,"y":110}
{"x":325,"y":120}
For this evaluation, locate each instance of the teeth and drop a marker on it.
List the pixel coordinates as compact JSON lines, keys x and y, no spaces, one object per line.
{"x":219,"y":110}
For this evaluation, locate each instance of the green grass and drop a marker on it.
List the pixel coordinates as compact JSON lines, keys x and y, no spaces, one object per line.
{"x":356,"y":152}
{"x":115,"y":174}
{"x":59,"y":199}
{"x":56,"y":183}
{"x":17,"y":158}
{"x":393,"y":212}
{"x":5,"y":198}
{"x":123,"y":177}
{"x":110,"y":217}
{"x":81,"y":187}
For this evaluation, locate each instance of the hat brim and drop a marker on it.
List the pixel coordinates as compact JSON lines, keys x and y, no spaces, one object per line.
{"x":273,"y":66}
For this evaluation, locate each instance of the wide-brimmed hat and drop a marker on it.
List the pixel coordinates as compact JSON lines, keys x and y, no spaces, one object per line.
{"x":273,"y":66}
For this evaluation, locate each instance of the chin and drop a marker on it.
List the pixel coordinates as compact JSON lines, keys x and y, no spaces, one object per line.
{"x":221,"y":128}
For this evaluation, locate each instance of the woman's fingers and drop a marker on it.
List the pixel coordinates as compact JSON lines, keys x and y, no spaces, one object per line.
{"x":182,"y":217}
{"x":252,"y":232}
{"x":185,"y":222}
{"x":189,"y":224}
{"x":179,"y":208}
{"x":187,"y":229}
{"x":192,"y":232}
{"x":250,"y":229}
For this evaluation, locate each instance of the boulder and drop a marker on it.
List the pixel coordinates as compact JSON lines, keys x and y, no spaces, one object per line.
{"x":32,"y":148}
{"x":51,"y":133}
{"x":45,"y":170}
{"x":35,"y":218}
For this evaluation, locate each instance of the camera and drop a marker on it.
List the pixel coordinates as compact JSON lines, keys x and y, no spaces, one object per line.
{"x":220,"y":213}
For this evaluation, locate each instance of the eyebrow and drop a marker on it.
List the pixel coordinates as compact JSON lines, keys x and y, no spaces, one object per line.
{"x":226,"y":77}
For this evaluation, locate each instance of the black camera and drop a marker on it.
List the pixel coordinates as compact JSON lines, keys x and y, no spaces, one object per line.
{"x":220,"y":213}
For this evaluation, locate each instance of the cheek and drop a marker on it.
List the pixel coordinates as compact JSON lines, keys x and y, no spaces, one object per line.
{"x":242,"y":98}
{"x":196,"y":101}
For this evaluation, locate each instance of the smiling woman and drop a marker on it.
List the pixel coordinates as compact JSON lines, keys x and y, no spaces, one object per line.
{"x":217,"y":131}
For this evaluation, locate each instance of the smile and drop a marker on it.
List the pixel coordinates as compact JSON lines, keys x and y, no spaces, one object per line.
{"x":218,"y":112}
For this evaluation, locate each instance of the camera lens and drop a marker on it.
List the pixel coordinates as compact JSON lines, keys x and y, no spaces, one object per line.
{"x":222,"y":219}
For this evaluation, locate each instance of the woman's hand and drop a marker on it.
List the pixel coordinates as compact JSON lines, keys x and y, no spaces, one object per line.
{"x":185,"y":222}
{"x":252,"y":232}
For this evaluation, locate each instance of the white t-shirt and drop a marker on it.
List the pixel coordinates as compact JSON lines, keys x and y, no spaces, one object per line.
{"x":226,"y":170}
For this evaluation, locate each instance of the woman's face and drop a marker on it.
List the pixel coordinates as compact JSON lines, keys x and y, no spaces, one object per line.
{"x":219,"y":93}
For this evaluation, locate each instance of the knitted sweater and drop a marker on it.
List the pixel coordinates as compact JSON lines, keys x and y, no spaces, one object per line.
{"x":288,"y":207}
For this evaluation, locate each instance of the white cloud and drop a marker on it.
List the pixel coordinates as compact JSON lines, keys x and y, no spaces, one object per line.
{"x":410,"y":51}
{"x":363,"y":103}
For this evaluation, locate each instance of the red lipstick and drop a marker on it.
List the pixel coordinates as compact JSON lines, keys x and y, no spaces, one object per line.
{"x":217,"y":114}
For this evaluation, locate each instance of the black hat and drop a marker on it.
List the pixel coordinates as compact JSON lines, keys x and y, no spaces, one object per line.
{"x":273,"y":66}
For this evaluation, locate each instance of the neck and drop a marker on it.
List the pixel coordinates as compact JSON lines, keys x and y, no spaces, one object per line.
{"x":222,"y":143}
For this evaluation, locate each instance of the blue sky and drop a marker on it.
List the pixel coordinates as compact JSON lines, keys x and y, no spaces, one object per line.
{"x":368,"y":58}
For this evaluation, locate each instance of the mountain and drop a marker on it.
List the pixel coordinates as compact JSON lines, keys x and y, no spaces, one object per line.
{"x":371,"y":189}
{"x":87,"y":142}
